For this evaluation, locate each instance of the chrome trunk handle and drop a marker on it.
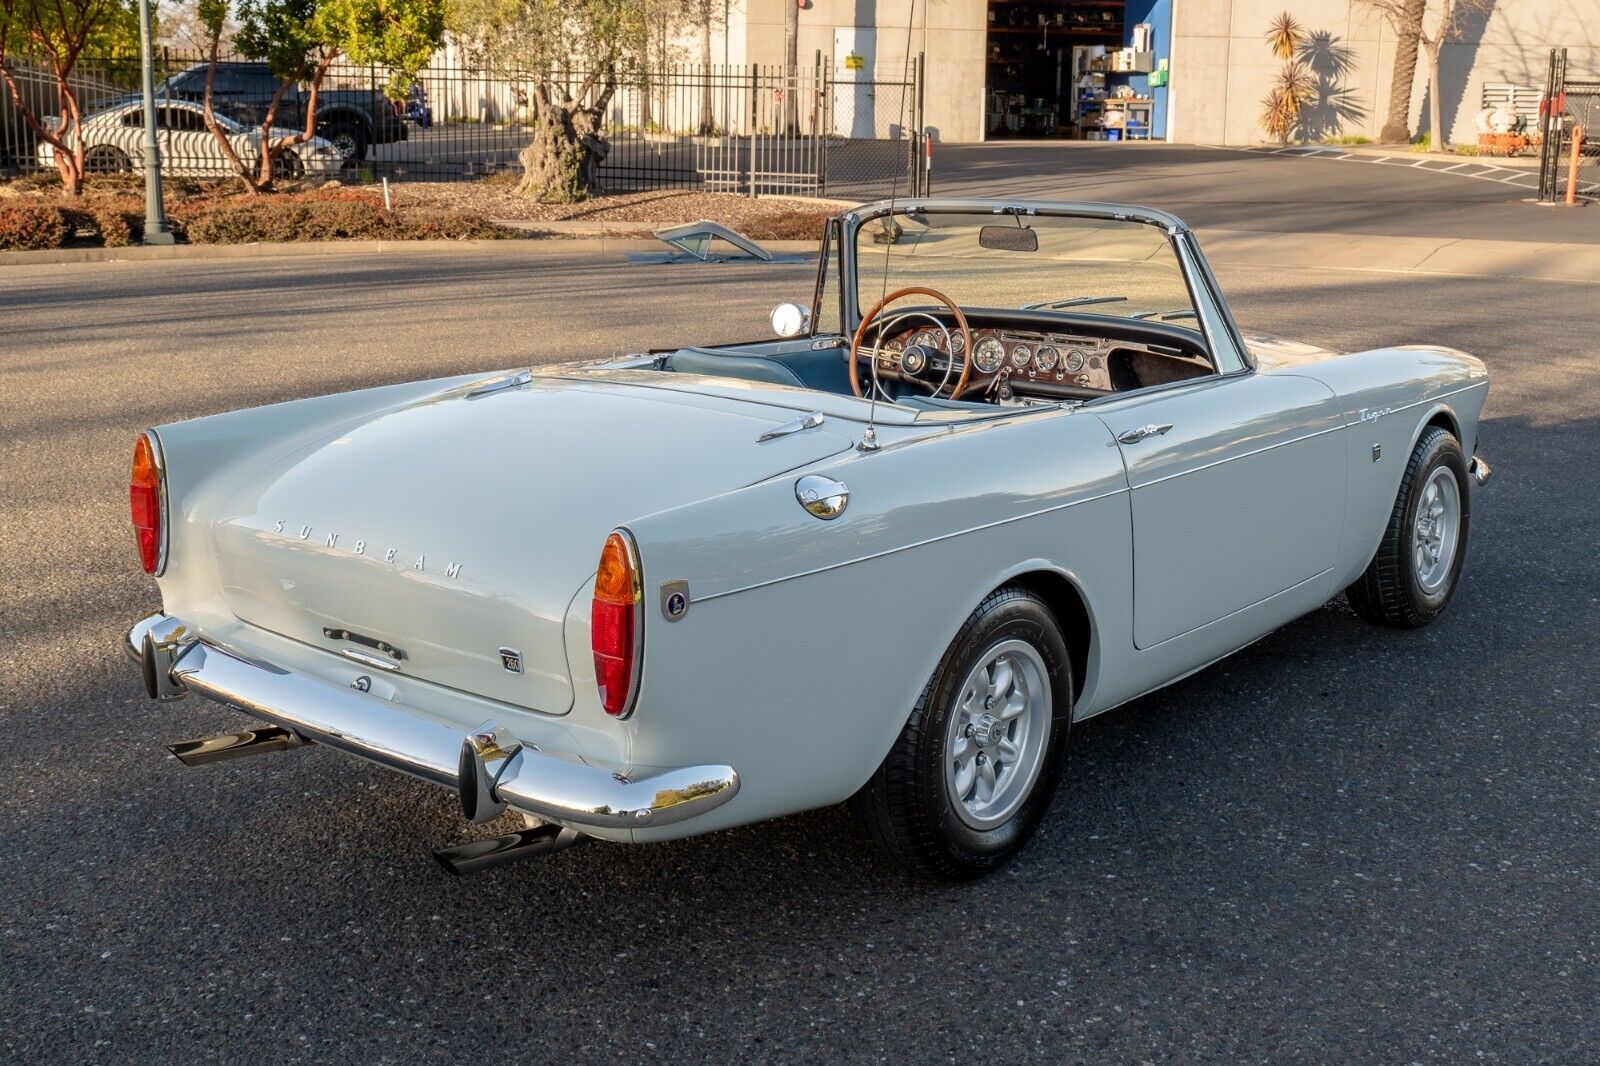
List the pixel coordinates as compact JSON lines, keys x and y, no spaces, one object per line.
{"x":1134,"y":436}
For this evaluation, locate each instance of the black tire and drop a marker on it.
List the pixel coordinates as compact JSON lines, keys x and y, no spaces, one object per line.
{"x":1392,"y":592}
{"x":907,"y":807}
{"x":107,"y":159}
{"x":349,"y":138}
{"x":287,"y":166}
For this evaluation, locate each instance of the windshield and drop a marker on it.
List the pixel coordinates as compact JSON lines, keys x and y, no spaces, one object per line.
{"x":1083,"y":265}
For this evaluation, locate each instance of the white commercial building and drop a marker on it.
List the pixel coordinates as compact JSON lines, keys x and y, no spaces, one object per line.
{"x":1192,"y":71}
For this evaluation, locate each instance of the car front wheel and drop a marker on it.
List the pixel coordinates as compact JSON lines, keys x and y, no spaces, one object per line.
{"x":977,"y":763}
{"x":1414,"y":573}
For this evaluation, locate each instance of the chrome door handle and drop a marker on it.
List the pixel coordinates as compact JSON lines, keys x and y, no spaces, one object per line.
{"x":1134,"y":436}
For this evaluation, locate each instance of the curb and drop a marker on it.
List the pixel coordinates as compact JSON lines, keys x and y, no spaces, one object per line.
{"x":550,"y":246}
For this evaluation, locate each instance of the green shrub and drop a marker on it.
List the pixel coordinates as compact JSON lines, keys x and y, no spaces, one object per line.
{"x":426,"y":225}
{"x":31,"y":227}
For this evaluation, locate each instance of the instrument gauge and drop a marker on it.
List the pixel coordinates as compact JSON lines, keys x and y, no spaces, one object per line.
{"x":988,"y":354}
{"x":1046,"y":357}
{"x":957,"y":344}
{"x":1073,"y":361}
{"x":926,"y":339}
{"x":1021,"y":355}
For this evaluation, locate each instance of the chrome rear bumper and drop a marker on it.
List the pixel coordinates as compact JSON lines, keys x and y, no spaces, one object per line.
{"x":488,"y":768}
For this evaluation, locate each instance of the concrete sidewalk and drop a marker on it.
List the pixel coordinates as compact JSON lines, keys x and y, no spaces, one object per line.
{"x":1517,"y":260}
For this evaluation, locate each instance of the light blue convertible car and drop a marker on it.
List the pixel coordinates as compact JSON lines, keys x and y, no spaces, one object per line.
{"x":1011,"y":464}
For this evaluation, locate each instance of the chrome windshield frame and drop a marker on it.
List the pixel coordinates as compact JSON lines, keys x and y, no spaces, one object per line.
{"x":1216,"y":326}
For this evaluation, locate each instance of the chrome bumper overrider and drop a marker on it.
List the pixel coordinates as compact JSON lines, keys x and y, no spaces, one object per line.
{"x":1479,"y":471}
{"x":488,"y":768}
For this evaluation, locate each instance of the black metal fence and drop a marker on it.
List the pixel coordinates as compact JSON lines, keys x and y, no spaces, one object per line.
{"x":1569,"y":156}
{"x":744,"y":129}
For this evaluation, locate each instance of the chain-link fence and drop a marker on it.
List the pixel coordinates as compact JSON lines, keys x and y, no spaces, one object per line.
{"x":1569,"y":160}
{"x":745,"y":129}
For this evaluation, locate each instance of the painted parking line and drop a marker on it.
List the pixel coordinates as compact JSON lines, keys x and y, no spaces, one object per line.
{"x":1501,"y":175}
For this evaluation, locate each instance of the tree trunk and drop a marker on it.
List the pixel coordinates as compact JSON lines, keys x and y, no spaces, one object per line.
{"x":271,"y":149}
{"x":708,"y":116}
{"x":1438,"y":140}
{"x":239,"y":167}
{"x":791,"y":64}
{"x":561,"y":165}
{"x":1408,"y":35}
{"x":66,"y":141}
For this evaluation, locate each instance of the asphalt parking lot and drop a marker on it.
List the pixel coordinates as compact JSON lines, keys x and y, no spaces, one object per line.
{"x":1342,"y":843}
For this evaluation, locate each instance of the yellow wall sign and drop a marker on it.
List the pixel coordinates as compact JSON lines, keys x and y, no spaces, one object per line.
{"x":854,"y":61}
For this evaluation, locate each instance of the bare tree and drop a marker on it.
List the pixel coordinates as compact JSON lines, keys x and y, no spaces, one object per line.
{"x":1451,"y":21}
{"x":791,"y":65}
{"x":705,"y":14}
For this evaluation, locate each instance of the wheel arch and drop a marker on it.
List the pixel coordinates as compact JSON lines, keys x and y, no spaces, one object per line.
{"x":344,"y":113}
{"x":1063,"y":594}
{"x":1444,"y":417}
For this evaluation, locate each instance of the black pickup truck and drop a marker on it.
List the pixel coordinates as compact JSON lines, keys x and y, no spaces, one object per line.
{"x":352,"y":119}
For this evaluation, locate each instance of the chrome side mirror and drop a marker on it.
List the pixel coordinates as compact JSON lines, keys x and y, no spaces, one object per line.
{"x":790,"y":320}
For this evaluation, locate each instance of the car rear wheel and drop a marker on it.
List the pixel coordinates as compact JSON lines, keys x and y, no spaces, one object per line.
{"x":1414,"y":573}
{"x":977,"y":763}
{"x":107,"y":159}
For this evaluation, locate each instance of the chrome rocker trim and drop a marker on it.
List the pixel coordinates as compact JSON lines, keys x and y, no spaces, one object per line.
{"x":487,"y":768}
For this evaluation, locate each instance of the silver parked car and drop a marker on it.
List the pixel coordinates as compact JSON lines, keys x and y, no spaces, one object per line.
{"x":1013,"y":466}
{"x":114,"y":143}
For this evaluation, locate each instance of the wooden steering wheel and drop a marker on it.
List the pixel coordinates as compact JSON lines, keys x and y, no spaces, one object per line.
{"x":877,"y":309}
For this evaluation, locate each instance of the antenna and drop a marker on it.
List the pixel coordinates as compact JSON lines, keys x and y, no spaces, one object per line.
{"x":869,"y":439}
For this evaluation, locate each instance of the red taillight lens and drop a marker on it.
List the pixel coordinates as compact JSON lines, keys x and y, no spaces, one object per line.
{"x":144,"y":501}
{"x":614,"y":621}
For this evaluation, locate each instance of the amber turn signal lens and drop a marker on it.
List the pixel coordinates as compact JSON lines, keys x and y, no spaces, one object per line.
{"x":144,"y":503}
{"x":614,"y":581}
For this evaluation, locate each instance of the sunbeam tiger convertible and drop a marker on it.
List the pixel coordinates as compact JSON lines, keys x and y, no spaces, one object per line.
{"x":1012,"y":465}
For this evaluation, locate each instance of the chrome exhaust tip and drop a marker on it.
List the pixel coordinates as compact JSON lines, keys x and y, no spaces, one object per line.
{"x":1479,"y":471}
{"x":476,"y":856}
{"x":235,"y":745}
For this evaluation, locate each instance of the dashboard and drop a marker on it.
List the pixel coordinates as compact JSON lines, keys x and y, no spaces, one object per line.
{"x":1018,"y":357}
{"x":1026,"y":355}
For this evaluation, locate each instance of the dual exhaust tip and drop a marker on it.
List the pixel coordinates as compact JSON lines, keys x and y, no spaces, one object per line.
{"x":474,"y":856}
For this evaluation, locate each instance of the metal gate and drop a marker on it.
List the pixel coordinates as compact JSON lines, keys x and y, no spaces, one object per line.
{"x":1569,"y":122}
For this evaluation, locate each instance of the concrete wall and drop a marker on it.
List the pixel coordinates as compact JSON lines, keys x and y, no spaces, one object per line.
{"x":1222,"y":68}
{"x":1220,"y":65}
{"x":951,"y":31}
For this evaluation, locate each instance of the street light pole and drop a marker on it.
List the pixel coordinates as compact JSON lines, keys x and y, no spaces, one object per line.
{"x":155,"y":218}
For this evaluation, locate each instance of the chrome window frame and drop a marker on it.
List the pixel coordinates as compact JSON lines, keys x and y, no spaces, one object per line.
{"x":831,"y":237}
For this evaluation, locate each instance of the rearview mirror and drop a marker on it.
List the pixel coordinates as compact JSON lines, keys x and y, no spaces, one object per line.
{"x":790,"y":320}
{"x":1008,"y":239}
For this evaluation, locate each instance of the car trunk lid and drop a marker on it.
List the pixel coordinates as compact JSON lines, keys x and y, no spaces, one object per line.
{"x":434,"y":536}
